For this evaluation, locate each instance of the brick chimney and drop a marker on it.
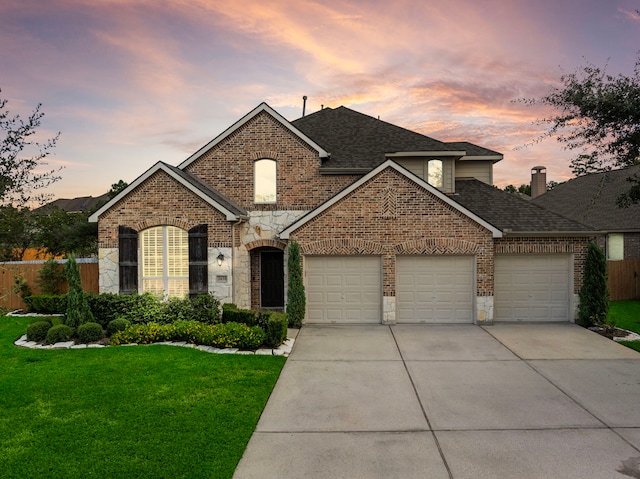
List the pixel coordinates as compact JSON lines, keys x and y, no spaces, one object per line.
{"x":538,"y":181}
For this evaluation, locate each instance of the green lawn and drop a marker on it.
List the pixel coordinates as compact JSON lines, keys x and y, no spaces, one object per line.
{"x":627,"y":316}
{"x":126,"y":412}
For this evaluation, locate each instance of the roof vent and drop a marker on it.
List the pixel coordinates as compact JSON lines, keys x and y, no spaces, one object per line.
{"x":304,"y":104}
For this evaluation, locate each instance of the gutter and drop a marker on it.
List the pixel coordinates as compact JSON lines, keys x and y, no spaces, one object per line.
{"x":538,"y":234}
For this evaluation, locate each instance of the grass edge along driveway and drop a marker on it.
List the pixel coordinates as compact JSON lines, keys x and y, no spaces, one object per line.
{"x":122,"y":412}
{"x":626,"y":315}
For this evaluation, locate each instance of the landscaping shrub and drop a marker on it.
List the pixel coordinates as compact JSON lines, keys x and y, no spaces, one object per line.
{"x":108,"y":306}
{"x":118,"y":324}
{"x":51,"y":277}
{"x":275,"y":329}
{"x":47,"y":303}
{"x":229,"y":335}
{"x":296,"y":299}
{"x":90,"y":332}
{"x":21,"y":288}
{"x":205,"y":308}
{"x":144,"y":308}
{"x":38,"y":330}
{"x":594,"y":293}
{"x":232,"y":314}
{"x":78,"y":311}
{"x":59,"y":333}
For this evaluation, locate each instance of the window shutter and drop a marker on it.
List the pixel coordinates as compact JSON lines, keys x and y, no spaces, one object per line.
{"x":198,"y":260}
{"x":128,"y":259}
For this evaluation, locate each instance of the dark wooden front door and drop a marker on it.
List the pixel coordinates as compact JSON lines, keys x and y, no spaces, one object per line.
{"x":272,"y":279}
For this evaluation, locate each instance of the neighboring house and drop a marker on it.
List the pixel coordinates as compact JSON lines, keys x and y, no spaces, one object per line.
{"x":81,"y":204}
{"x":591,"y":200}
{"x":393,"y":226}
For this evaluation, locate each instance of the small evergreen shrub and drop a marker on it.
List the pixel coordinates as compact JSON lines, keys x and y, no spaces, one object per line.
{"x":118,"y":324}
{"x":205,"y":308}
{"x":38,"y":330}
{"x":145,"y":308}
{"x":108,"y":306}
{"x":276,"y":329}
{"x":51,"y":277}
{"x":21,"y":288}
{"x":594,"y":293}
{"x":47,"y":303}
{"x":90,"y":332}
{"x":232,"y":314}
{"x":78,"y":311}
{"x":59,"y":333}
{"x":296,"y":299}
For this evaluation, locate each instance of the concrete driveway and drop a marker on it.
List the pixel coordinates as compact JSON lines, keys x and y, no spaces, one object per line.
{"x":430,"y":401}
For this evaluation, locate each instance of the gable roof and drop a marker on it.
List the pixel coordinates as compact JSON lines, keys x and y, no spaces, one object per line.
{"x":262,"y":107}
{"x":475,"y":152}
{"x":214,"y":198}
{"x":591,"y":199}
{"x":284,"y":234}
{"x":358,"y":141}
{"x":511,"y":213}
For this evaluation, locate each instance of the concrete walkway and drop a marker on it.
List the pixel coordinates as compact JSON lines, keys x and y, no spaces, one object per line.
{"x":419,"y":401}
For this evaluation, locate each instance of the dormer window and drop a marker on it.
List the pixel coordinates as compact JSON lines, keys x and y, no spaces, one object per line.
{"x":264,"y":181}
{"x":434,"y":173}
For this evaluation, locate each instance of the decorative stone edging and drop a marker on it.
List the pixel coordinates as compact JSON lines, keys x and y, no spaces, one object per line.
{"x":283,"y":350}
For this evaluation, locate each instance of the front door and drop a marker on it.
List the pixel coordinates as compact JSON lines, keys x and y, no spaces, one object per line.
{"x":272,"y":279}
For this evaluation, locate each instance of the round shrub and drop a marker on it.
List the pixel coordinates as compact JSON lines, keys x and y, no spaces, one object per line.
{"x":90,"y":332}
{"x":119,"y":324}
{"x":38,"y":330}
{"x":59,"y":333}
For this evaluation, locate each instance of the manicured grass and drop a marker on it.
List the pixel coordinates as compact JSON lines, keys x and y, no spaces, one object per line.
{"x":626,"y":314}
{"x":126,"y":412}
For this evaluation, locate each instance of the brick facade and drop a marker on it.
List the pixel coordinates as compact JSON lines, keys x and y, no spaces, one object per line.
{"x":360,"y":223}
{"x":228,"y":167}
{"x":161,"y":200}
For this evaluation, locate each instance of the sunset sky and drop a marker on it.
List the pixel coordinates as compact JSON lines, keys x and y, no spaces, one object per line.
{"x":128,"y":83}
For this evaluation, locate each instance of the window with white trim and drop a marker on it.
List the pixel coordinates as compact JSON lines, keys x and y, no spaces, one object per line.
{"x":264,"y":181}
{"x":164,"y":268}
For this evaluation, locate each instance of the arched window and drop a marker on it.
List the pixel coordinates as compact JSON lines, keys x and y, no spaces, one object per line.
{"x":434,"y":172}
{"x":164,"y":268}
{"x":264,"y":181}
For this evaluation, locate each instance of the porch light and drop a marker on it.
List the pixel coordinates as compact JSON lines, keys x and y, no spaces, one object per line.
{"x":220,"y":259}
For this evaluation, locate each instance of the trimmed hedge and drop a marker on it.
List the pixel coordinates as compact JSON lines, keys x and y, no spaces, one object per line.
{"x":47,"y":303}
{"x":37,"y":331}
{"x":229,"y":335}
{"x":276,"y":329}
{"x":232,"y":314}
{"x":119,"y":324}
{"x":59,"y":333}
{"x":90,"y":332}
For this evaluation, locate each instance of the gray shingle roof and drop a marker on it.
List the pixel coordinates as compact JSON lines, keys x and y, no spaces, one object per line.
{"x":591,"y":199}
{"x":507,"y":211}
{"x":356,"y":140}
{"x":210,"y":192}
{"x":471,"y":149}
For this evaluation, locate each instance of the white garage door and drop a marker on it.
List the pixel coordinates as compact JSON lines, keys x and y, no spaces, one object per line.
{"x":434,"y":289}
{"x":532,"y":287}
{"x":343,"y":289}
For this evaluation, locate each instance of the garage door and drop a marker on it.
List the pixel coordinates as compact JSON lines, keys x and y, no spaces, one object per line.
{"x":532,"y":287}
{"x":434,"y":289}
{"x":343,"y":289}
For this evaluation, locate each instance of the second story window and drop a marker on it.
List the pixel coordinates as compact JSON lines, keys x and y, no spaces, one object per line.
{"x":434,"y":173}
{"x":264,"y":181}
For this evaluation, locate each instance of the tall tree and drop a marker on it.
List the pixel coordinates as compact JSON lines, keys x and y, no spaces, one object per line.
{"x":22,"y":167}
{"x":598,"y":116}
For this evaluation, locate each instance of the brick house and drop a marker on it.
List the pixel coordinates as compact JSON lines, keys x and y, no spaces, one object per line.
{"x":393,"y":226}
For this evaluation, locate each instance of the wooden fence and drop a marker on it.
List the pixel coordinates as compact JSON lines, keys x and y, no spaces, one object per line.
{"x":29,"y":271}
{"x":624,"y":279}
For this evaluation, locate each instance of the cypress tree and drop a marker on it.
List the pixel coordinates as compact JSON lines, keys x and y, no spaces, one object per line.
{"x":296,"y":300}
{"x":78,"y":311}
{"x":594,"y":293}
